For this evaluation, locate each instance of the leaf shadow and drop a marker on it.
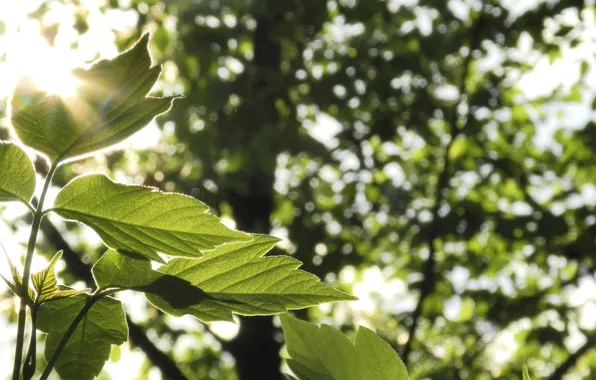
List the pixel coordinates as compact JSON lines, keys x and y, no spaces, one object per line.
{"x":178,"y":293}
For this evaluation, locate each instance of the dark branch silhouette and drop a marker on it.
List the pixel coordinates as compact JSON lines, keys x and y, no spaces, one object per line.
{"x":428,"y":271}
{"x":572,"y":359}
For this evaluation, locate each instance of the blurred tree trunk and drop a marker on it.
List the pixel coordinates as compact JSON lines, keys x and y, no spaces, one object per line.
{"x":254,"y":348}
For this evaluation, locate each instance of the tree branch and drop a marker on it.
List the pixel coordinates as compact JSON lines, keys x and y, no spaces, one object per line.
{"x":522,"y":182}
{"x":572,"y":359}
{"x":137,"y":336}
{"x":429,"y":275}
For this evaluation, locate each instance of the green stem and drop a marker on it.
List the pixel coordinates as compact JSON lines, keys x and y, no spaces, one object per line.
{"x":30,"y":360}
{"x":37,"y":216}
{"x":71,"y":329}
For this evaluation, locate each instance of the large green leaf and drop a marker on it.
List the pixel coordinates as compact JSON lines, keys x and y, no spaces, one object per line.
{"x":17,"y":176}
{"x":142,"y":219}
{"x":88,"y":348}
{"x":46,"y":286}
{"x":237,"y":279}
{"x":323,"y":353}
{"x":109,"y":104}
{"x":124,"y":270}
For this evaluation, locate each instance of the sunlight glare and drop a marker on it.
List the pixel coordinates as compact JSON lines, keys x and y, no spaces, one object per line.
{"x":55,"y":80}
{"x":49,"y":67}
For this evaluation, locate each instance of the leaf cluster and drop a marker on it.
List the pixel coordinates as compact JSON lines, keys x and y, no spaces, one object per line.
{"x":208,"y":270}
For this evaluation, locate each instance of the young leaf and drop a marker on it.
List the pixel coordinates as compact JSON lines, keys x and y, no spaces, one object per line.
{"x":88,"y":348}
{"x":526,"y":373}
{"x":11,"y":285}
{"x":109,"y":105}
{"x":17,"y":176}
{"x":16,"y":285}
{"x":142,"y":219}
{"x":46,"y":286}
{"x":237,"y":279}
{"x":323,"y":353}
{"x":44,"y":282}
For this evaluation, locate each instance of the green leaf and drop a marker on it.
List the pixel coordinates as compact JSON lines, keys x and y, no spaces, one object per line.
{"x":109,"y":104}
{"x":237,"y":279}
{"x":323,"y":353}
{"x":44,"y":282}
{"x":125,"y":270}
{"x":16,"y":285}
{"x":46,"y":286}
{"x":88,"y":348}
{"x":11,"y":285}
{"x":526,"y":373}
{"x":17,"y":177}
{"x":141,"y":219}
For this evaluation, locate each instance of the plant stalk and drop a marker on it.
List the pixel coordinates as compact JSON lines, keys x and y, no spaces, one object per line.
{"x":71,"y":329}
{"x":37,"y":216}
{"x":30,"y":359}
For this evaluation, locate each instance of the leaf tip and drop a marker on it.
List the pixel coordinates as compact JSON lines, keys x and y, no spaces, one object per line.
{"x":144,"y":38}
{"x":350,"y":297}
{"x":142,"y":43}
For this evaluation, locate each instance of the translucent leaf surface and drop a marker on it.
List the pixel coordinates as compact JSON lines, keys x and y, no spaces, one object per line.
{"x":89,"y":346}
{"x":109,"y":104}
{"x":142,"y":219}
{"x":124,"y":270}
{"x":46,"y":286}
{"x":237,"y":279}
{"x":17,"y":176}
{"x":324,"y":353}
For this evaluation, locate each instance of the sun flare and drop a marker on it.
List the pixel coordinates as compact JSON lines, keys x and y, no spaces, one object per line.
{"x":55,"y":81}
{"x":48,"y":66}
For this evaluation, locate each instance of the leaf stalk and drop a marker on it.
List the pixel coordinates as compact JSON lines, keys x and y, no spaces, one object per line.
{"x":37,"y":216}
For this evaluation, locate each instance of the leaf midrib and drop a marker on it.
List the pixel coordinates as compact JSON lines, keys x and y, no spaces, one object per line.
{"x":59,"y":209}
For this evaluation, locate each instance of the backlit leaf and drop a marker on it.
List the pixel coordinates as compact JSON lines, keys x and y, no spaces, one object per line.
{"x":88,"y":348}
{"x":17,"y":176}
{"x":237,"y":279}
{"x":142,"y":219}
{"x":324,"y":353}
{"x":46,"y":286}
{"x":108,"y":105}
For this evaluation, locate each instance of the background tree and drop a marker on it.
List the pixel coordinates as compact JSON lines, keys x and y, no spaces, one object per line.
{"x":432,"y":157}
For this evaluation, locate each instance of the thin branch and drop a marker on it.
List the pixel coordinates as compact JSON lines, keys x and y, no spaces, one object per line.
{"x":572,"y":359}
{"x":138,"y":338}
{"x":429,"y":275}
{"x":522,"y":182}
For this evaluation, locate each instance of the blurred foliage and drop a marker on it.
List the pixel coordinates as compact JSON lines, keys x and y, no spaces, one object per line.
{"x":395,"y":143}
